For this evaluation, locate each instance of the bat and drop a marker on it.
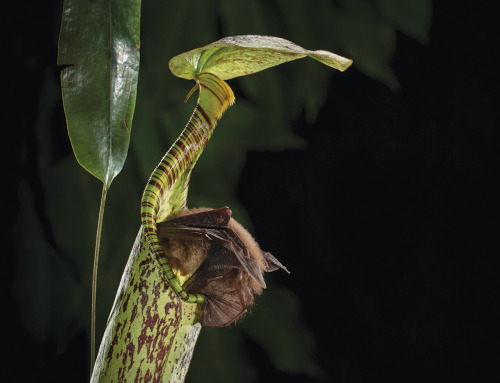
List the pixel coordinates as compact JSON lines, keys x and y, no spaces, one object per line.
{"x":225,"y":263}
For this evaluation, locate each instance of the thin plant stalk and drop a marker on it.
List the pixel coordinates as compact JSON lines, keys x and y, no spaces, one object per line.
{"x":94,"y":277}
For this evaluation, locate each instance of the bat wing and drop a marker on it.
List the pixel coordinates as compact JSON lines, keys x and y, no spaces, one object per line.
{"x":208,"y":219}
{"x":188,"y":233}
{"x":201,"y":225}
{"x":238,"y":248}
{"x":224,"y":277}
{"x":226,"y":298}
{"x":212,"y":225}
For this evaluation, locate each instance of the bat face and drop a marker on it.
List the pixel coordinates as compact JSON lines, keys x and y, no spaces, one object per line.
{"x":225,"y":263}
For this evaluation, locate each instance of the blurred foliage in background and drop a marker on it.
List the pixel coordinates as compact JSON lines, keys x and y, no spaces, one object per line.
{"x":55,"y":266}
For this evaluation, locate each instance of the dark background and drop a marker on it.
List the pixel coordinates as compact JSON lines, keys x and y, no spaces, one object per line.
{"x":396,"y":213}
{"x":393,"y":208}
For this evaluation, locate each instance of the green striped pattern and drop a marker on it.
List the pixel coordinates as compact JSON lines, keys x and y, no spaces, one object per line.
{"x":166,"y":190}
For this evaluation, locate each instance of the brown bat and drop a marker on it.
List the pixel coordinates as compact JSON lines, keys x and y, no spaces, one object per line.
{"x":226,"y":263}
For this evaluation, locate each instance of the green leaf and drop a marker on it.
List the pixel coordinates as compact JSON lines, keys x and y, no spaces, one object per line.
{"x":412,"y":17}
{"x":99,"y":42}
{"x":237,"y":56}
{"x":277,"y":326}
{"x":223,"y":349}
{"x":367,"y":39}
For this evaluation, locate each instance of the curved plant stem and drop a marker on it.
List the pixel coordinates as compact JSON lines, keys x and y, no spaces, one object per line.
{"x":94,"y":277}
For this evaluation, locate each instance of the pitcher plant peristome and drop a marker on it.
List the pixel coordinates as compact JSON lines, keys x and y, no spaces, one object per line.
{"x":224,"y":59}
{"x":150,"y":270}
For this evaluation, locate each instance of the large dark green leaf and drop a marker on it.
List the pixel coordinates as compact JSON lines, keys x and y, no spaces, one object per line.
{"x":99,"y":41}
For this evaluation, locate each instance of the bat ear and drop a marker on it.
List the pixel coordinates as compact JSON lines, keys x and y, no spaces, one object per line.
{"x":272,"y":264}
